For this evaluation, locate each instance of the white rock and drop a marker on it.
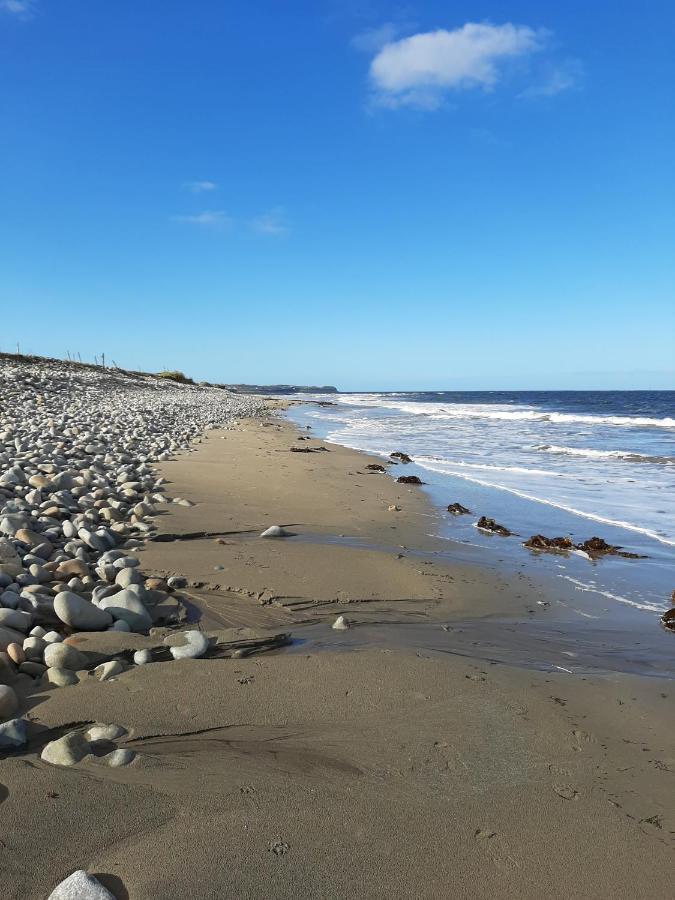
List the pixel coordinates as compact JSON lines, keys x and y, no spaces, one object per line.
{"x":120,"y":757}
{"x":61,"y":677}
{"x":275,"y":531}
{"x":108,"y":670}
{"x":128,"y":606}
{"x":66,"y":751}
{"x":80,"y":886}
{"x":196,"y":644}
{"x":340,"y":624}
{"x":63,"y":656}
{"x":105,"y":732}
{"x":52,"y":637}
{"x":143,"y":657}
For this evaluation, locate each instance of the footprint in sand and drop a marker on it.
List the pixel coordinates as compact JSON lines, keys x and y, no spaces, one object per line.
{"x":581,"y":738}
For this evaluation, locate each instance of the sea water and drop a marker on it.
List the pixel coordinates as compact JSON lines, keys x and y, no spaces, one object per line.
{"x":573,"y":463}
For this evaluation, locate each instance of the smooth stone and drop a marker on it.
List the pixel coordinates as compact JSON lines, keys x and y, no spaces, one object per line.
{"x":275,"y":531}
{"x":10,"y":561}
{"x":79,"y":613}
{"x":120,"y":625}
{"x":34,"y":669}
{"x":128,"y":606}
{"x":16,"y":619}
{"x":13,"y":735}
{"x":52,"y":637}
{"x":61,"y":677}
{"x":108,"y":670}
{"x":340,"y":624}
{"x":196,"y":644}
{"x":80,"y":886}
{"x":38,"y":631}
{"x":9,"y":702}
{"x":126,"y":577}
{"x":177,"y":581}
{"x":66,"y":751}
{"x":72,"y":567}
{"x":16,"y":653}
{"x":105,"y":732}
{"x":143,"y":657}
{"x":63,"y":656}
{"x":10,"y":636}
{"x":120,"y":757}
{"x":34,"y":647}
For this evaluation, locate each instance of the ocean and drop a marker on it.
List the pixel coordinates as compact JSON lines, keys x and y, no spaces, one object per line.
{"x":577,"y":463}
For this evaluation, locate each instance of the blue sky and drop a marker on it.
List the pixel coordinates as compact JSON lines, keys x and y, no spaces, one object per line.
{"x":438,"y":195}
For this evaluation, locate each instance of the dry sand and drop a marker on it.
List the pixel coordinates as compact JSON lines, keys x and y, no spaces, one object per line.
{"x":383,"y":772}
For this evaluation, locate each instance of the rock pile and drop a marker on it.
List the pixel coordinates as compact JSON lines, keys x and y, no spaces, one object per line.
{"x":77,"y":498}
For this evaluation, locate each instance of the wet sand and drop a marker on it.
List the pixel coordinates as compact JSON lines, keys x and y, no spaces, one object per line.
{"x":360,"y":764}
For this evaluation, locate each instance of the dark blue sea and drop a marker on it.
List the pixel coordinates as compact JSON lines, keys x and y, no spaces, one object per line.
{"x":577,"y":463}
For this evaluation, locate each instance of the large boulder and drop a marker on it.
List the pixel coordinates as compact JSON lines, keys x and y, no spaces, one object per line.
{"x":128,"y":606}
{"x":79,"y":613}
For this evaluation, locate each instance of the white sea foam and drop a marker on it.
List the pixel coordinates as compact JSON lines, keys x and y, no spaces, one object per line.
{"x":449,"y":469}
{"x":499,"y":413}
{"x":589,"y":453}
{"x":588,"y":588}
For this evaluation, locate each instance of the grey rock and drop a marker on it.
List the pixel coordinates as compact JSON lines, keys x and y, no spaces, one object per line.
{"x":61,"y":677}
{"x":13,"y":735}
{"x":80,"y":886}
{"x":143,"y":657}
{"x":196,"y":644}
{"x":63,"y":656}
{"x":9,"y":702}
{"x":66,"y":751}
{"x":108,"y":670}
{"x":120,"y":757}
{"x":105,"y":732}
{"x":128,"y":606}
{"x":80,"y":613}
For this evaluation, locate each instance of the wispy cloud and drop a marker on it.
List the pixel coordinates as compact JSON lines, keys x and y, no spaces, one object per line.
{"x":421,"y":69}
{"x":201,"y":187}
{"x":272,"y":223}
{"x":207,"y":219}
{"x":22,"y":9}
{"x":567,"y":75}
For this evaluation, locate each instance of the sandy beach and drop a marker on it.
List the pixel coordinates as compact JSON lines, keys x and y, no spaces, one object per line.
{"x":340,"y":766}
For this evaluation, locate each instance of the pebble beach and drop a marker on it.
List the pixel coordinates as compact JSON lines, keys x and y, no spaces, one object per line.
{"x":232,"y":670}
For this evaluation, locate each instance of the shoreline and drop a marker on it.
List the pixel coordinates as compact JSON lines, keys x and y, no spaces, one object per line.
{"x":345,"y":765}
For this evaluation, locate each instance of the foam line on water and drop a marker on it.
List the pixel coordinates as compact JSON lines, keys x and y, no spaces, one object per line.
{"x":587,"y":588}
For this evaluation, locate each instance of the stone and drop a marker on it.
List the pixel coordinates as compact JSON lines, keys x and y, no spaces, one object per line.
{"x":52,"y":637}
{"x":10,"y":561}
{"x":409,"y":479}
{"x":176,"y":582}
{"x":142,"y":657}
{"x":80,"y":613}
{"x":120,"y":757}
{"x":9,"y":636}
{"x":126,"y":577}
{"x":63,"y":656}
{"x":34,"y":647}
{"x":16,"y":653}
{"x":340,"y":624}
{"x":80,"y":886}
{"x":13,"y":735}
{"x":120,"y":625}
{"x":275,"y":531}
{"x":61,"y":677}
{"x":401,"y":457}
{"x":9,"y":702}
{"x":129,"y":607}
{"x":72,"y":567}
{"x":196,"y":644}
{"x":104,"y":733}
{"x":16,"y":619}
{"x":66,"y":751}
{"x":108,"y":670}
{"x":34,"y":669}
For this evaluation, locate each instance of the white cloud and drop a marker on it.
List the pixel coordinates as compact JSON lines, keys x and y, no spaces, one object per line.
{"x":563,"y":77}
{"x":208,"y":219}
{"x":200,"y":187}
{"x":419,"y":70}
{"x":271,"y":223}
{"x":22,"y":9}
